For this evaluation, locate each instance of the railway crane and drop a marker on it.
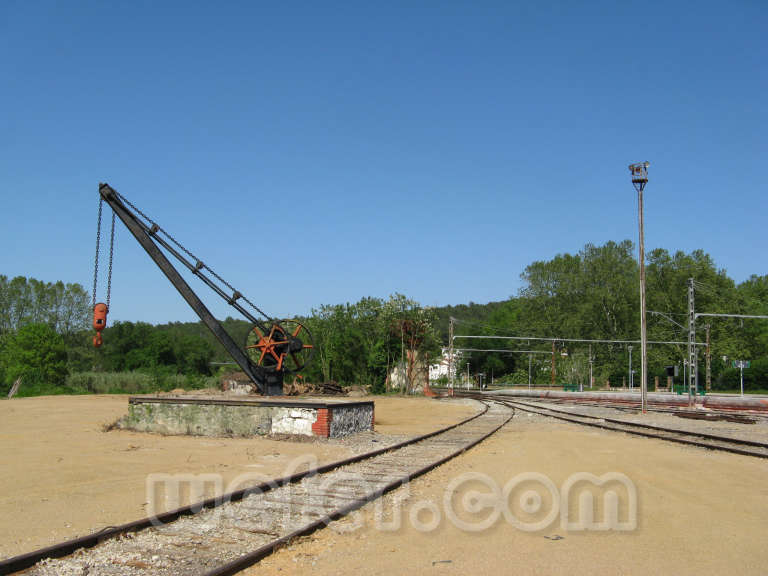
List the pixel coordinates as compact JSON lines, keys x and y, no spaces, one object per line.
{"x":272,"y":347}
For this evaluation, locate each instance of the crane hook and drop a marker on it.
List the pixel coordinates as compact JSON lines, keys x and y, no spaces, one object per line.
{"x":99,"y":321}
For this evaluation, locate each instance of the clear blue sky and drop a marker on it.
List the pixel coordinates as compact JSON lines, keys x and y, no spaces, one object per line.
{"x":320,"y":152}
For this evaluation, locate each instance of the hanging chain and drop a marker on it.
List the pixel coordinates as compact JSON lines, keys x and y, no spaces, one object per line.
{"x":96,"y":260}
{"x":111,"y":254}
{"x":188,"y":253}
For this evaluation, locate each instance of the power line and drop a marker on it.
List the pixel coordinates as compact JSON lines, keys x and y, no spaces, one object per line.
{"x":506,"y":351}
{"x":584,"y":340}
{"x":755,"y":316}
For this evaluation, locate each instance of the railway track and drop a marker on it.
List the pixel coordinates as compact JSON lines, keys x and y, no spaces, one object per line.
{"x":700,"y":439}
{"x":224,"y":535}
{"x":740,"y":416}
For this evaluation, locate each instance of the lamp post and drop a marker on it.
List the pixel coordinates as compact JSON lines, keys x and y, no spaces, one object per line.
{"x":639,"y":173}
{"x":467,"y":375}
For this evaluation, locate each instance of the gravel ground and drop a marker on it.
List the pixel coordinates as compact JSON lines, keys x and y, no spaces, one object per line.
{"x":63,"y":476}
{"x":699,"y":512}
{"x":197,"y":544}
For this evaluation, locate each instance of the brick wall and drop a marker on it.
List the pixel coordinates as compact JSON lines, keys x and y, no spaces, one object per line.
{"x":322,"y":426}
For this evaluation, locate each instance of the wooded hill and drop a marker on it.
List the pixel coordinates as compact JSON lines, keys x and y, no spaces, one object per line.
{"x":592,"y":294}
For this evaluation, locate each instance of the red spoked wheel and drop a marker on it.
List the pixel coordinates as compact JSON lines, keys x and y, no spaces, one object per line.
{"x":287,"y":346}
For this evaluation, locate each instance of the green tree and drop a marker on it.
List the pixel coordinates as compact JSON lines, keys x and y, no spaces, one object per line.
{"x":37,"y":353}
{"x":66,"y":307}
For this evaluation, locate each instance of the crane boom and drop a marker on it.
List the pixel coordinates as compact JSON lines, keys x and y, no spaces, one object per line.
{"x":269,"y":382}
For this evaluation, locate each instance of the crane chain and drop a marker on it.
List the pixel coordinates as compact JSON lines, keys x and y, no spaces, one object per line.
{"x":188,"y":253}
{"x":98,"y":250}
{"x":96,"y":259}
{"x":111,"y":254}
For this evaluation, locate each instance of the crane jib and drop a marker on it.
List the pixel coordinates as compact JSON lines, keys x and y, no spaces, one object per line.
{"x":276,"y":347}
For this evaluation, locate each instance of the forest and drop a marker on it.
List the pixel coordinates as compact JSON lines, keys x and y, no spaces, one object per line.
{"x":45,"y":335}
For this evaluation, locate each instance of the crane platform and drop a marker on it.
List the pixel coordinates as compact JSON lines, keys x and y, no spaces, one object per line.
{"x":248,"y":416}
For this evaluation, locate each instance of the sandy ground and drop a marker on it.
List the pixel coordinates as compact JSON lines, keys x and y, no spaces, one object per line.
{"x":699,"y":512}
{"x":62,"y":476}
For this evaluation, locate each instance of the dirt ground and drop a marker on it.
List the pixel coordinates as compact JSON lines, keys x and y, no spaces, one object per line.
{"x":63,"y":476}
{"x":698,"y":512}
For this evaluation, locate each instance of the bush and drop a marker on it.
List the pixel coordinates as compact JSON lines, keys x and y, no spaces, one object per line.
{"x":379,"y":386}
{"x":37,"y":354}
{"x":135,"y":382}
{"x":755,"y":377}
{"x":33,"y":383}
{"x":110,"y":382}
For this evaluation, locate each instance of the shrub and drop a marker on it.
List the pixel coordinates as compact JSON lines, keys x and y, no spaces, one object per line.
{"x":110,"y":382}
{"x":37,"y":354}
{"x":134,"y":382}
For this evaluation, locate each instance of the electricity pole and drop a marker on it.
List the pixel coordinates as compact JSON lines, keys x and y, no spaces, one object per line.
{"x":590,"y":367}
{"x":640,"y":179}
{"x":530,"y":359}
{"x":691,"y":345}
{"x":553,"y":363}
{"x":450,"y":352}
{"x":467,"y":375}
{"x":630,"y":367}
{"x":708,"y":363}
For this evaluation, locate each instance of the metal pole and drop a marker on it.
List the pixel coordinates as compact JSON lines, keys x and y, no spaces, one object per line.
{"x":643,"y":334}
{"x":691,"y":347}
{"x":450,"y":352}
{"x":530,"y":357}
{"x":630,"y":368}
{"x":696,"y":374}
{"x":553,"y":363}
{"x":741,"y":375}
{"x":467,"y":375}
{"x":639,"y":173}
{"x":590,"y":367}
{"x":708,"y":362}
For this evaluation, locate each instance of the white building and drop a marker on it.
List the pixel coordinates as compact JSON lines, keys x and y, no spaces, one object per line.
{"x":441,"y":368}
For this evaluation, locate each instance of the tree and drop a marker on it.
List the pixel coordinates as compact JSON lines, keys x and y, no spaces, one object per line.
{"x":23,"y":301}
{"x":37,"y":353}
{"x":418,"y":338}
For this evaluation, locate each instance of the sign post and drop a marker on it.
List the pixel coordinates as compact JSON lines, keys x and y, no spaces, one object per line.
{"x":741,"y":364}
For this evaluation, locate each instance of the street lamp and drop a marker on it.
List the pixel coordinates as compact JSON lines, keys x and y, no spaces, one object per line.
{"x":639,"y":173}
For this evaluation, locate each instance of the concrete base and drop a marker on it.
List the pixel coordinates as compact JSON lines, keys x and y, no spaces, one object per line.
{"x":247,"y":416}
